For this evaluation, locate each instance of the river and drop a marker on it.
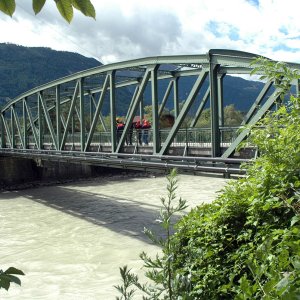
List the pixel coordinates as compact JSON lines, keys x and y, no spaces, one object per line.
{"x":71,"y":239}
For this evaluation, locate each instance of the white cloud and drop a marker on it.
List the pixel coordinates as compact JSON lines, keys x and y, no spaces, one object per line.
{"x":132,"y":29}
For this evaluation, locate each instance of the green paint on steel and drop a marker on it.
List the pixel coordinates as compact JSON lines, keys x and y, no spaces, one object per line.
{"x":189,"y":101}
{"x":154,"y":95}
{"x":54,"y":109}
{"x":214,"y":111}
{"x":255,"y":106}
{"x":200,"y":108}
{"x":260,"y":113}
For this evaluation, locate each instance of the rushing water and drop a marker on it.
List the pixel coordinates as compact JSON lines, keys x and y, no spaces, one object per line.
{"x":71,"y":239}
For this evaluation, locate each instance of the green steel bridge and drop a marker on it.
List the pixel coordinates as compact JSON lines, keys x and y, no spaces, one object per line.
{"x":65,"y":120}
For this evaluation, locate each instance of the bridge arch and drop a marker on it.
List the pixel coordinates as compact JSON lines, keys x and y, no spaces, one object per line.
{"x":78,"y":112}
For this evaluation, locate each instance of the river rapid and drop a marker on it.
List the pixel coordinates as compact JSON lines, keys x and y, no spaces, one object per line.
{"x":71,"y":239}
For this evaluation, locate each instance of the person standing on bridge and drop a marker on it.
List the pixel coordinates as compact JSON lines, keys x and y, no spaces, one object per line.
{"x":120,"y":128}
{"x":138,"y":127}
{"x":146,"y":125}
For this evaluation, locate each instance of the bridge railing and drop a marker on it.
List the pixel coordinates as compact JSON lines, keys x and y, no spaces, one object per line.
{"x":186,"y":137}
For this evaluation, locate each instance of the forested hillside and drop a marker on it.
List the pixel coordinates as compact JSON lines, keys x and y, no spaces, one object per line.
{"x":22,"y":68}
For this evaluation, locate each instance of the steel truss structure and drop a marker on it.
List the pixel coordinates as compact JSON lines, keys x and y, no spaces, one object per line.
{"x":73,"y":108}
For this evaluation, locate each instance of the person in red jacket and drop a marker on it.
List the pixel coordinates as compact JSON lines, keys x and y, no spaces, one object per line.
{"x":146,"y":125}
{"x":138,"y":127}
{"x":120,"y":128}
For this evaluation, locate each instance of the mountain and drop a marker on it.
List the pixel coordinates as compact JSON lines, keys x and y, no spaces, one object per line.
{"x":22,"y":68}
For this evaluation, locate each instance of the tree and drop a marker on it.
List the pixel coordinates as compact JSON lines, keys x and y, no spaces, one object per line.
{"x":65,"y":7}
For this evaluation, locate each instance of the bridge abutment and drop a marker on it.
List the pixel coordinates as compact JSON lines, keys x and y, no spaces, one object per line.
{"x":15,"y":170}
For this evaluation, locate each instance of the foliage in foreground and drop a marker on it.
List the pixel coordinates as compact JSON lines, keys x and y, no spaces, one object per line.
{"x":246,"y":244}
{"x":160,"y":269}
{"x":8,"y":276}
{"x":65,"y":7}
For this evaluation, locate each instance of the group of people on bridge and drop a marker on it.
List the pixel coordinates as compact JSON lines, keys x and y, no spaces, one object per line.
{"x":141,"y":128}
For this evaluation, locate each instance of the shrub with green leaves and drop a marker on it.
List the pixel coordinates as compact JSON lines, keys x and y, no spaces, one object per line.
{"x":8,"y":276}
{"x":246,"y":244}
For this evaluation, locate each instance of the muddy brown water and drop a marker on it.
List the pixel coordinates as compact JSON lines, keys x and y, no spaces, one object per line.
{"x":71,"y":239}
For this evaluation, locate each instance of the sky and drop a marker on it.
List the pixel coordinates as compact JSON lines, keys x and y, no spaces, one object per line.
{"x":131,"y":29}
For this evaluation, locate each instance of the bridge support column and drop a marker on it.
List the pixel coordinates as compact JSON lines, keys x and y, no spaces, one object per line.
{"x":13,"y":132}
{"x":82,"y":115}
{"x":40,"y":121}
{"x":220,"y":99}
{"x":112,"y":99}
{"x":176,"y":97}
{"x":58,"y":117}
{"x":2,"y":140}
{"x":214,"y":110}
{"x":155,"y":131}
{"x":25,"y":132}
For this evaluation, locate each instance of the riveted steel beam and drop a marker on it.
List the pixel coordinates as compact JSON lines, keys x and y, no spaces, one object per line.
{"x":7,"y":131}
{"x":220,"y":99}
{"x":257,"y":102}
{"x":32,"y":123}
{"x":15,"y":120}
{"x":70,"y":118}
{"x":154,"y":94}
{"x":25,"y":130}
{"x":189,"y":101}
{"x":214,"y":111}
{"x":48,"y":120}
{"x":176,"y":97}
{"x":165,"y":98}
{"x":40,"y":121}
{"x":12,"y":127}
{"x":259,"y":114}
{"x":200,"y":108}
{"x":82,"y":114}
{"x":58,"y":116}
{"x":112,"y":103}
{"x":97,"y":112}
{"x":2,"y":140}
{"x":135,"y":106}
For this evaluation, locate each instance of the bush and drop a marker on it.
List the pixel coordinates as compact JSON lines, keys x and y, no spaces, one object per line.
{"x":246,"y":244}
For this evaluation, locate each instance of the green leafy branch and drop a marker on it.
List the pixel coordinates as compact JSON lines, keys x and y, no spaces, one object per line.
{"x":8,"y":276}
{"x":159,"y":269}
{"x":65,"y":7}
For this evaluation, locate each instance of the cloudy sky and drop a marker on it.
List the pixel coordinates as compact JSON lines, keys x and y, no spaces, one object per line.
{"x":138,"y":28}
